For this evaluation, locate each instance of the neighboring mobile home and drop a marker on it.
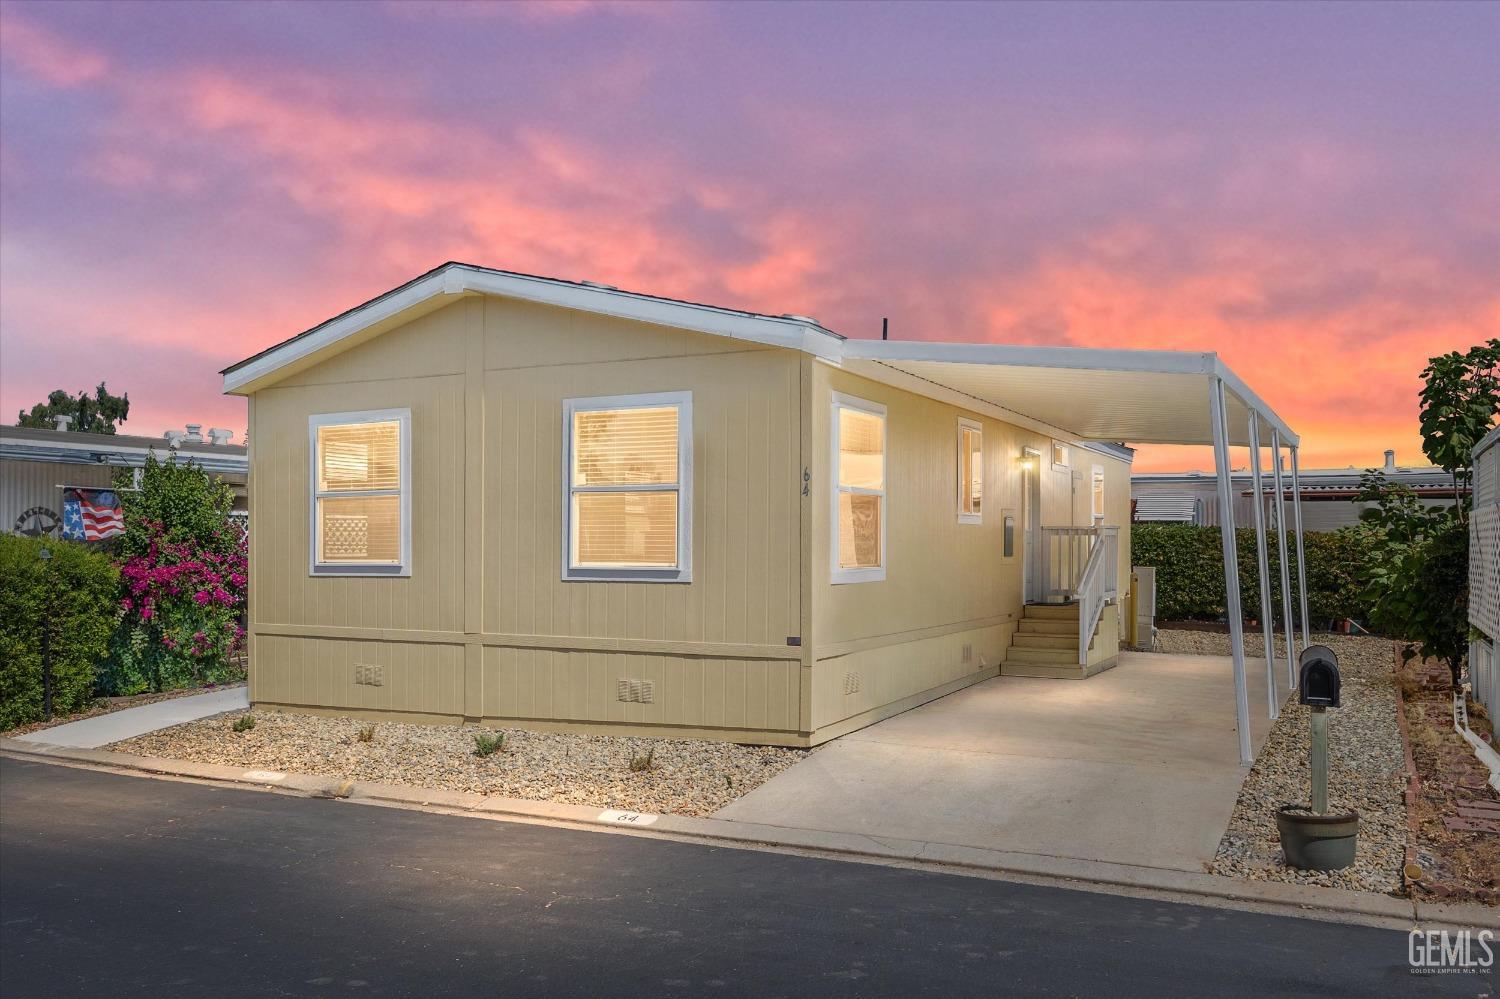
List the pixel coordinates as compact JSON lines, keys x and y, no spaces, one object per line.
{"x":493,"y":497}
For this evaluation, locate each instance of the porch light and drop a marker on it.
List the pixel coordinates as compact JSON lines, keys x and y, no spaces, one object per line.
{"x":1027,"y":462}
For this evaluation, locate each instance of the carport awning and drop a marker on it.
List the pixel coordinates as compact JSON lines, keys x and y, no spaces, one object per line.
{"x":1135,"y":396}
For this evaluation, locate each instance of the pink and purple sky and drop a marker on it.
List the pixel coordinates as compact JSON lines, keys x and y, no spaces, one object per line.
{"x":1313,"y":191}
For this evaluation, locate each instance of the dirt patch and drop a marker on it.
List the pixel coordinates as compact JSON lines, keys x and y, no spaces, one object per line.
{"x":1455,"y":815}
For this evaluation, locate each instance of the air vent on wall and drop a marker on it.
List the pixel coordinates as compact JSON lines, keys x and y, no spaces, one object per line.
{"x":369,"y":674}
{"x":635,"y":691}
{"x":851,"y":683}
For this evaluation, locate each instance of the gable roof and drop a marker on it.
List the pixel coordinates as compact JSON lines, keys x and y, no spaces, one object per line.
{"x":446,"y":283}
{"x":1142,"y":396}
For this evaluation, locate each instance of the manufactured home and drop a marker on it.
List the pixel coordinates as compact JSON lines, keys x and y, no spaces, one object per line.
{"x":487,"y":496}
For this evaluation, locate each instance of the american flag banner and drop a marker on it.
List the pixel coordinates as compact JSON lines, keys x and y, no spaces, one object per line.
{"x":91,"y":515}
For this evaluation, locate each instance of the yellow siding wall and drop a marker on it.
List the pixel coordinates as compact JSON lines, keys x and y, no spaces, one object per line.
{"x":948,"y":585}
{"x":484,"y":627}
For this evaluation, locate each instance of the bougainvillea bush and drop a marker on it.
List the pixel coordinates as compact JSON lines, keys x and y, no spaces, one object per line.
{"x":183,"y":583}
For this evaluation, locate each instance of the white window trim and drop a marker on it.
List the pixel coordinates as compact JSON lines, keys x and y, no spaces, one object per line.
{"x":963,"y":487}
{"x":683,"y":571}
{"x":837,"y":573}
{"x":1096,"y":474}
{"x":359,"y":569}
{"x":1067,"y":455}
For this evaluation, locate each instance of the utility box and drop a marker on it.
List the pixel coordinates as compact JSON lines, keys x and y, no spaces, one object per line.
{"x":1142,"y":624}
{"x":1318,"y":682}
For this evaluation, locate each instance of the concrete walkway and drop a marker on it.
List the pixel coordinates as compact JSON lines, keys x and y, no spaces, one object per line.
{"x":1138,"y":765}
{"x":101,"y":730}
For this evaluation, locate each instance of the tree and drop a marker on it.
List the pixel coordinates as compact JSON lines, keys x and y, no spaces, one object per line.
{"x":1459,"y":402}
{"x":183,"y":570}
{"x":96,"y":415}
{"x":1418,"y":582}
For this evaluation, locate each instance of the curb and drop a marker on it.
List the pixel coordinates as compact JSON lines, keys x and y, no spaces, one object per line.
{"x":1303,"y":901}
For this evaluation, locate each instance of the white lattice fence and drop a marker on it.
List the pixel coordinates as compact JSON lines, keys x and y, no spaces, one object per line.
{"x":1484,"y":542}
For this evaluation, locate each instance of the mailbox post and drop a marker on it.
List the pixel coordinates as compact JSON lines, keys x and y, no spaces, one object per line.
{"x":1319,"y":690}
{"x":1310,"y":837}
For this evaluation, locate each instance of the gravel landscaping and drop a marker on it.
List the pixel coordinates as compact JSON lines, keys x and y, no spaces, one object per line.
{"x":1365,"y":769}
{"x":684,"y":776}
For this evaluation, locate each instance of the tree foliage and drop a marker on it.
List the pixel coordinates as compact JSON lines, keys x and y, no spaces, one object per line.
{"x":96,"y":414}
{"x":183,"y":565}
{"x":73,"y":596}
{"x":1419,"y":583}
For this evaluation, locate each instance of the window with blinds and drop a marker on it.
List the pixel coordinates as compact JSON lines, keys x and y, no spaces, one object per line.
{"x":628,"y":479}
{"x":359,"y":493}
{"x":859,"y":494}
{"x":970,"y":471}
{"x":1098,"y":492}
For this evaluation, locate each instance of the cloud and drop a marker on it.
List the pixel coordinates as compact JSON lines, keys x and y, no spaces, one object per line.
{"x":208,"y":208}
{"x":46,"y":56}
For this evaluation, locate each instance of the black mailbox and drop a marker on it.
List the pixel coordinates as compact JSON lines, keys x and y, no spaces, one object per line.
{"x":1319,"y":677}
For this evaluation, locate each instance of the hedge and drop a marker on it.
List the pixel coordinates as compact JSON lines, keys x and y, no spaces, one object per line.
{"x":1190,"y":572}
{"x":77,"y":593}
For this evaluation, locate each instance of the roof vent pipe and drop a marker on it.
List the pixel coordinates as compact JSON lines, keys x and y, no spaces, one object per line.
{"x":172,"y":437}
{"x":194,"y":434}
{"x":1390,"y":460}
{"x":61,"y":421}
{"x":218,"y":436}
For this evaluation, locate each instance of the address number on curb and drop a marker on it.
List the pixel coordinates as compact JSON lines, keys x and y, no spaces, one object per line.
{"x":620,"y":818}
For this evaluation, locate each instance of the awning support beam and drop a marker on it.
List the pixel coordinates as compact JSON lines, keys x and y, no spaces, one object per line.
{"x":1220,"y":428}
{"x":1301,"y":552}
{"x":1287,"y":628}
{"x":1262,"y":561}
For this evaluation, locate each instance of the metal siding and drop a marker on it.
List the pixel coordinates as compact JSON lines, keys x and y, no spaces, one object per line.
{"x":537,"y":649}
{"x":1484,"y":544}
{"x":25,"y":484}
{"x":947,"y":584}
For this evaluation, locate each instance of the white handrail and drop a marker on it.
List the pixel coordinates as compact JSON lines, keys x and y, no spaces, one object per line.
{"x":1097,"y":582}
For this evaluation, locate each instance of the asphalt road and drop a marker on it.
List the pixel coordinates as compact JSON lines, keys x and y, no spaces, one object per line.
{"x":119,"y":886}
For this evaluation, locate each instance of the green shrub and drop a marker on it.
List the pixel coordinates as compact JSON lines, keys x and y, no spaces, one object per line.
{"x":244,"y":723}
{"x":1189,"y":565}
{"x":487,"y":743}
{"x":76,"y":593}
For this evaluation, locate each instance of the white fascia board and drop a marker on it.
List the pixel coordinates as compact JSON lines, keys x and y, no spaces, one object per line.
{"x":330,"y":333}
{"x":1083,"y":358}
{"x":460,"y":280}
{"x":1236,"y":385}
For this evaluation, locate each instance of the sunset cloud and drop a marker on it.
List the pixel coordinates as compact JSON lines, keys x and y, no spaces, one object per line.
{"x":202,"y":200}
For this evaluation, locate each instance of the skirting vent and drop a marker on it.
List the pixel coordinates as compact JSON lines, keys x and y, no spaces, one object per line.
{"x":369,"y":674}
{"x":852,"y":683}
{"x":635,"y":691}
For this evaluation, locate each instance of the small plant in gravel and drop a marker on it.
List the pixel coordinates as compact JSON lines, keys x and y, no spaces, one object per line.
{"x":488,"y":743}
{"x":244,"y":723}
{"x":640,"y":763}
{"x":367,"y":733}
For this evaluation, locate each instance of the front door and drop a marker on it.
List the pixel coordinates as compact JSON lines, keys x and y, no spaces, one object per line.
{"x":1031,"y":520}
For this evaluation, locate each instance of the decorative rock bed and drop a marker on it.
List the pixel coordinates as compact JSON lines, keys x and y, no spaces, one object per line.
{"x":1365,"y":769}
{"x":685,"y":776}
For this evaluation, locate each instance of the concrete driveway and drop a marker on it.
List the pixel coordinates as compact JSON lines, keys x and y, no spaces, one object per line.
{"x":1137,"y":765}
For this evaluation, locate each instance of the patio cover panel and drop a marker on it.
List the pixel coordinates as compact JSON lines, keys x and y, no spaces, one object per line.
{"x":1136,"y":396}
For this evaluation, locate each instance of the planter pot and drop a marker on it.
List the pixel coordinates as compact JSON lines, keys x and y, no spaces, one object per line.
{"x":1317,"y":842}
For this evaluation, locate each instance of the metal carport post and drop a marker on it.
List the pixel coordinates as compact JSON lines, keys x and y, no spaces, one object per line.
{"x":1262,"y":562}
{"x":1286,"y":583}
{"x":1301,"y":554}
{"x":1231,"y":566}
